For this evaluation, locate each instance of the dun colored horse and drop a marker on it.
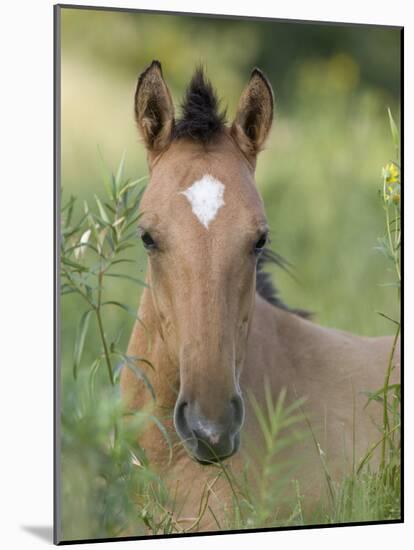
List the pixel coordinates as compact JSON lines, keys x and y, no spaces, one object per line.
{"x":210,"y":321}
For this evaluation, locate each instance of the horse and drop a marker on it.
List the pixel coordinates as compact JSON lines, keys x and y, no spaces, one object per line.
{"x":217,"y":339}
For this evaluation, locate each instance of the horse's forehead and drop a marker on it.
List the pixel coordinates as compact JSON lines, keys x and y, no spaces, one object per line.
{"x":206,"y":197}
{"x":204,"y":185}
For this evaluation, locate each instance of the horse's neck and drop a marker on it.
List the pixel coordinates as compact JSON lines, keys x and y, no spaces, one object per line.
{"x":290,"y":351}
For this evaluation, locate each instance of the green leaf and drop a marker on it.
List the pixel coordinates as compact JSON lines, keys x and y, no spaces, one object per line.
{"x":122,"y":306}
{"x":69,"y":207}
{"x":79,"y":245}
{"x":113,"y":237}
{"x":81,"y":281}
{"x":131,"y":236}
{"x":102,"y":212}
{"x":379,"y":394}
{"x":139,"y":373}
{"x":73,"y":265}
{"x":123,"y":261}
{"x":130,"y":184}
{"x":106,"y":175}
{"x":92,"y":376}
{"x":111,"y":209}
{"x":120,"y":172}
{"x":262,"y":421}
{"x":80,"y":340}
{"x":136,"y":358}
{"x":124,"y":246}
{"x":386,"y":316}
{"x":119,"y":221}
{"x":66,"y":289}
{"x":91,"y":222}
{"x":128,"y":278}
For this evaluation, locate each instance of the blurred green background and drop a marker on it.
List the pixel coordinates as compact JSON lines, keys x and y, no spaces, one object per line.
{"x":319,"y":175}
{"x":321,"y":169}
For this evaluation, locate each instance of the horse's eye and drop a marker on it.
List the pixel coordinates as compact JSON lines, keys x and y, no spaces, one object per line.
{"x":147,"y":241}
{"x":260,"y":243}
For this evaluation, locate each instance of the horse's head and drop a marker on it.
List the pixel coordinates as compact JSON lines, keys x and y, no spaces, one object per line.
{"x":204,"y":226}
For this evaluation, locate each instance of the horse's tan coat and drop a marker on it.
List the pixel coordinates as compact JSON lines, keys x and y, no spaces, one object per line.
{"x":207,"y":327}
{"x":329,"y":367}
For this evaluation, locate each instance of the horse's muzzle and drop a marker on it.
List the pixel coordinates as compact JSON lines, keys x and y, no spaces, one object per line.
{"x":209,"y":440}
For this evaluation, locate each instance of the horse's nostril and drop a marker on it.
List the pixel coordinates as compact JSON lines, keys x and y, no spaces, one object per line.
{"x":181,"y":407}
{"x":181,"y":410}
{"x":238,"y":409}
{"x":180,"y":420}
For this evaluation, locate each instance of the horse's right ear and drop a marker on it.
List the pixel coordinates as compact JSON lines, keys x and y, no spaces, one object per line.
{"x":254,"y":115}
{"x":154,"y":110}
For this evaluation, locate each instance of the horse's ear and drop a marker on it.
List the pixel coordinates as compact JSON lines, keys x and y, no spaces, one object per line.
{"x":154,"y":110}
{"x":254,"y":115}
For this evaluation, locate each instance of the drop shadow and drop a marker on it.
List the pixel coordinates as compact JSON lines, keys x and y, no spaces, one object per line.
{"x":43,"y":532}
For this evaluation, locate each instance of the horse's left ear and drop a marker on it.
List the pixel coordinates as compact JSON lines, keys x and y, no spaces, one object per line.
{"x":154,"y":110}
{"x":254,"y":115}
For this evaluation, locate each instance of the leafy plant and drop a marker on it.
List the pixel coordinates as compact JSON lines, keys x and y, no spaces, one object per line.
{"x":369,"y":493}
{"x":272,"y":473}
{"x":390,"y":245}
{"x":91,"y":248}
{"x":108,"y":486}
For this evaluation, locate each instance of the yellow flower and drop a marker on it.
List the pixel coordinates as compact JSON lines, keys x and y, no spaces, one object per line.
{"x":391,"y":173}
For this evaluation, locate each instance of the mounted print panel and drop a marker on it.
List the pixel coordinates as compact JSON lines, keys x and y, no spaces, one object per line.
{"x":228,"y":236}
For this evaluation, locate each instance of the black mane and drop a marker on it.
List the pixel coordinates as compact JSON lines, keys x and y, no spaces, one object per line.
{"x":201,"y":118}
{"x":264,"y":284}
